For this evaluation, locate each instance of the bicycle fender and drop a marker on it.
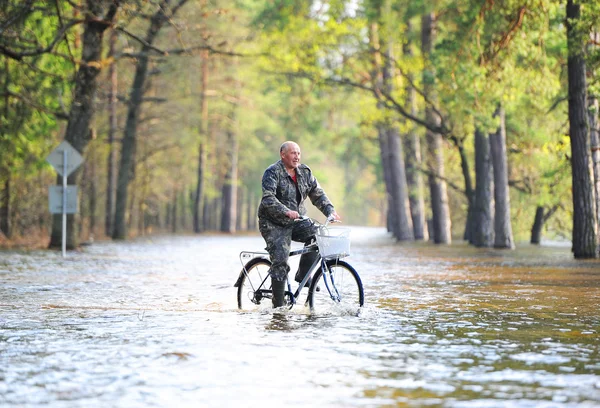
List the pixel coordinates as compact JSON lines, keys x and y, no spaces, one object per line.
{"x":246,"y":267}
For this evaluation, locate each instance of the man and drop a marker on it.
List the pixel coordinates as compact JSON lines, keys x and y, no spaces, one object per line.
{"x":285,"y":186}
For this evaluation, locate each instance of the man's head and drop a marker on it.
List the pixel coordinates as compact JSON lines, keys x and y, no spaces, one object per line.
{"x":290,"y":154}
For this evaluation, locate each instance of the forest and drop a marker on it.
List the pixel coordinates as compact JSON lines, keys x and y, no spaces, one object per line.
{"x":443,"y":120}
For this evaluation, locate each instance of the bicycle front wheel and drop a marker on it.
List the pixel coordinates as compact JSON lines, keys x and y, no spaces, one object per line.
{"x":254,"y":285}
{"x":339,"y":289}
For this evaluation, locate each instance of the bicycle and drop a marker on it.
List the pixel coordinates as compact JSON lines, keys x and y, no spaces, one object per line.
{"x":332,"y":281}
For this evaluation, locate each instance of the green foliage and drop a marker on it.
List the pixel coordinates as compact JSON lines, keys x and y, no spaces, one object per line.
{"x":287,"y":79}
{"x":35,"y":88}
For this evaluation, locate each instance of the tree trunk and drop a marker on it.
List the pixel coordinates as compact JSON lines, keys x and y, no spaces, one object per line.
{"x":387,"y":178}
{"x":251,"y":211}
{"x":130,"y":213}
{"x":82,"y":107}
{"x":112,"y":131}
{"x":469,"y":191}
{"x":435,"y":159}
{"x":127,"y":162}
{"x":142,"y":203}
{"x":198,"y":198}
{"x":206,"y":214}
{"x":229,"y":190}
{"x":595,"y":148}
{"x":174,"y":215}
{"x":538,"y":224}
{"x":93,"y":197}
{"x":5,"y":212}
{"x":239,"y":209}
{"x":167,"y":217}
{"x":593,"y":113}
{"x":402,"y":227}
{"x":502,"y":221}
{"x":377,"y":76}
{"x":183,"y":211}
{"x":215,"y":213}
{"x":414,"y":181}
{"x":412,"y":154}
{"x":399,"y":189}
{"x":584,"y":213}
{"x":199,"y":194}
{"x":483,"y":227}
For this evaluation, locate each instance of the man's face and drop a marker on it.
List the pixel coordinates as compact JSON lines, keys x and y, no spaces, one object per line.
{"x":290,"y":156}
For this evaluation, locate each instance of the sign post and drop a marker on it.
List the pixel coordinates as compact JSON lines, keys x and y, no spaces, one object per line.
{"x":65,"y":160}
{"x":64,"y":205}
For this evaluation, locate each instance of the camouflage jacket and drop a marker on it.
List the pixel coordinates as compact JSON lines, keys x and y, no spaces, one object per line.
{"x":280,"y":194}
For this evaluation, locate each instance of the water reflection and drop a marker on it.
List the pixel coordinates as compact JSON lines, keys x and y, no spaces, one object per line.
{"x":154,"y":322}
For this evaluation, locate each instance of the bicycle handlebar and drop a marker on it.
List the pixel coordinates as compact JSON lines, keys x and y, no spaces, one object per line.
{"x":330,"y":219}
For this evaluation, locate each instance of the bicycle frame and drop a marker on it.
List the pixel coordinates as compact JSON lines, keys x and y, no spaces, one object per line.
{"x":247,"y":256}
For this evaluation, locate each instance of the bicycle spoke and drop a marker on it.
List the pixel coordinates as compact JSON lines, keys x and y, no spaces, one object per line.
{"x":341,"y":289}
{"x":255,"y":287}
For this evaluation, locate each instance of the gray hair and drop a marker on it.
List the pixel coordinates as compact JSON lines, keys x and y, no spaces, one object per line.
{"x":285,"y":145}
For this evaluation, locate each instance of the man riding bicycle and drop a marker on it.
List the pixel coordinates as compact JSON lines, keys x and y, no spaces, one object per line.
{"x":285,"y":185}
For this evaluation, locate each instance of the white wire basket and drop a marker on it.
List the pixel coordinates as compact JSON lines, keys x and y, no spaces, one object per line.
{"x":333,"y":242}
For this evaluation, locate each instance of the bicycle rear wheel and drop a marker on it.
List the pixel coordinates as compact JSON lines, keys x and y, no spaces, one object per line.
{"x":254,"y":285}
{"x":338,"y":290}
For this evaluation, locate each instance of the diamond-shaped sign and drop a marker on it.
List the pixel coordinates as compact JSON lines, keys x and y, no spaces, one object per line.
{"x":56,"y":158}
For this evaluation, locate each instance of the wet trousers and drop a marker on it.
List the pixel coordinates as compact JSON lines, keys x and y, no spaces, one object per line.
{"x":279,"y":239}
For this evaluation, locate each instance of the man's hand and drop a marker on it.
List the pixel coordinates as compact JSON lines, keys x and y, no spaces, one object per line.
{"x":292,"y":214}
{"x":334,"y":216}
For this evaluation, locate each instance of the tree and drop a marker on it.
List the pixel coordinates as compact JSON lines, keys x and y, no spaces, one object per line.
{"x":412,"y":153}
{"x":434,"y":158}
{"x":32,"y":82}
{"x":200,"y":193}
{"x":160,"y":17}
{"x":229,"y":192}
{"x":100,"y":15}
{"x":112,"y":131}
{"x":482,"y":234}
{"x":503,"y":237}
{"x":584,"y":214}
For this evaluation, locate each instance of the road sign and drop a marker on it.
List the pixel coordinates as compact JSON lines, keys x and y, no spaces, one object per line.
{"x":55,"y":199}
{"x":56,"y":158}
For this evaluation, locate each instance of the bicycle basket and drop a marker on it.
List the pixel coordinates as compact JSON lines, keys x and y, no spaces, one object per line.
{"x":333,"y":242}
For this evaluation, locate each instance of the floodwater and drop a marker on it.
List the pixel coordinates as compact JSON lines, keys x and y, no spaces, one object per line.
{"x":154,"y":323}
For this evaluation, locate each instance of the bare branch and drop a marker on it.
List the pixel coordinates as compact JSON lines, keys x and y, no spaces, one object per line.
{"x":520,"y":185}
{"x":29,"y":102}
{"x":60,"y":20}
{"x":186,"y":51}
{"x":125,"y":100}
{"x":19,"y":55}
{"x":210,"y":49}
{"x":551,"y":212}
{"x":450,"y":183}
{"x":148,"y":154}
{"x":413,"y":86}
{"x":27,"y":7}
{"x":177,"y":7}
{"x":557,"y":102}
{"x":140,"y":40}
{"x":385,"y":97}
{"x":112,"y":11}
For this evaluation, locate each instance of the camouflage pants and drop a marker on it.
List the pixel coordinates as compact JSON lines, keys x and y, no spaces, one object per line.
{"x":279,"y":240}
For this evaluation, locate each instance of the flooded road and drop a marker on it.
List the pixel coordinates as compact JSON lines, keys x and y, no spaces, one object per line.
{"x":154,"y":322}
